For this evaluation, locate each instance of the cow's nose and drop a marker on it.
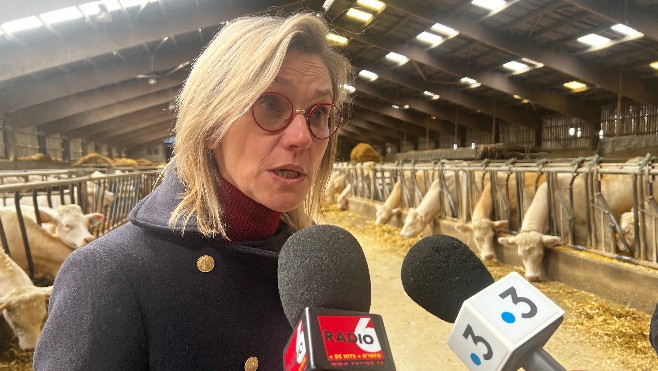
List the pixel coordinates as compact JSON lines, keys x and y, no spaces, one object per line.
{"x":89,"y":238}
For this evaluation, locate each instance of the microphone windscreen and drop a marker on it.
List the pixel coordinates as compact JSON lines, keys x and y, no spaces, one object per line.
{"x":323,"y":266}
{"x":440,"y":272}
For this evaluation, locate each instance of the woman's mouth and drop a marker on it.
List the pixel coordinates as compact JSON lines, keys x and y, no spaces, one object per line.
{"x":287,"y":174}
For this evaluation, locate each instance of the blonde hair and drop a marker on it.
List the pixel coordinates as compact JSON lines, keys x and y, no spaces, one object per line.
{"x":235,"y":68}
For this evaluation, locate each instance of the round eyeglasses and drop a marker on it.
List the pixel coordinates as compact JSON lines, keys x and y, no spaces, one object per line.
{"x":273,"y":112}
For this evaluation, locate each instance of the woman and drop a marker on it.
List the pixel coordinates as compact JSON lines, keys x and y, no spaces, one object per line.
{"x":190,"y":282}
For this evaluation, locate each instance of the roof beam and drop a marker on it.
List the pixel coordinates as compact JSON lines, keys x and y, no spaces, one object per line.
{"x":41,"y":56}
{"x":602,"y":77}
{"x":118,"y":122}
{"x":430,"y":109}
{"x":624,"y":12}
{"x":17,"y":9}
{"x":79,"y":103}
{"x":21,"y":92}
{"x":144,"y":134}
{"x":107,"y":112}
{"x":130,"y":127}
{"x":364,"y":113}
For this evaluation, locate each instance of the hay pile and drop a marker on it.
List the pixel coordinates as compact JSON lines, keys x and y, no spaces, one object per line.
{"x":363,"y":152}
{"x":94,"y":159}
{"x":144,"y":162}
{"x":125,"y":162}
{"x":621,"y":332}
{"x":37,"y":157}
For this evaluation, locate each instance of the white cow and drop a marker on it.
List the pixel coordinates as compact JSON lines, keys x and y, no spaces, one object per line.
{"x":483,"y":229}
{"x":67,"y":222}
{"x":47,"y":250}
{"x":335,"y":185}
{"x":22,"y":304}
{"x":627,"y":226}
{"x":418,"y":219}
{"x":344,"y":197}
{"x":617,"y":190}
{"x":392,"y":204}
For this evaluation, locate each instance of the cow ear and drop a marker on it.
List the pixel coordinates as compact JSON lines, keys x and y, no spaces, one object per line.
{"x":396,"y":211}
{"x":5,"y":301}
{"x":463,"y":227}
{"x":95,"y":218}
{"x":550,"y":241}
{"x":47,"y":215}
{"x":507,"y":241}
{"x":500,"y":225}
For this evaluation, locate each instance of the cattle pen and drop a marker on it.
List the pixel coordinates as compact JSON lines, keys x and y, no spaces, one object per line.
{"x":87,"y":187}
{"x":597,"y":259}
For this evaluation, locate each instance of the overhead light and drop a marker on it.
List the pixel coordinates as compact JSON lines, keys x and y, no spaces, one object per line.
{"x":337,"y":38}
{"x":359,"y":14}
{"x":431,"y":95}
{"x":578,"y":132}
{"x":654,"y":65}
{"x":473,"y":145}
{"x":152,"y":80}
{"x":61,"y":15}
{"x":468,"y":81}
{"x":572,"y":131}
{"x":516,"y":66}
{"x":593,"y":40}
{"x":406,"y":106}
{"x":395,"y":106}
{"x":372,"y":4}
{"x":349,"y":88}
{"x":430,"y":38}
{"x":442,"y":29}
{"x":601,"y":134}
{"x":575,"y":86}
{"x":454,"y":146}
{"x":489,"y":4}
{"x":370,"y":76}
{"x":625,"y":30}
{"x":22,"y":24}
{"x":398,"y":58}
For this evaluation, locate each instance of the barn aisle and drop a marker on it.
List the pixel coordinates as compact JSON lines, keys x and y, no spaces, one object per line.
{"x":595,"y":334}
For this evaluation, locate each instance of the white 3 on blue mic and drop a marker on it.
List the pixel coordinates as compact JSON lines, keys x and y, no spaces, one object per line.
{"x":505,"y":326}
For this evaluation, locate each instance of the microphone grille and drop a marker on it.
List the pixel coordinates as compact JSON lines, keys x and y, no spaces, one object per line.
{"x":323,"y":266}
{"x":440,"y":272}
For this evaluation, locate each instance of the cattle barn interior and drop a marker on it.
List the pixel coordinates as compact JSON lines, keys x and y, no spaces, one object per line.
{"x":496,"y":100}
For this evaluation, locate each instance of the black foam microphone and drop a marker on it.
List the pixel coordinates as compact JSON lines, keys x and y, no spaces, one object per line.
{"x":499,"y":325}
{"x":324,"y":284}
{"x":653,"y":330}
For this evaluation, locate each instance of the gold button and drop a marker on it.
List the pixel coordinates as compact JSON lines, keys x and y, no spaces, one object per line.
{"x":205,"y":263}
{"x":251,"y":364}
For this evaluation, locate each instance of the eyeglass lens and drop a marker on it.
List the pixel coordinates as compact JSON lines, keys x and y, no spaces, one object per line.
{"x":273,"y":112}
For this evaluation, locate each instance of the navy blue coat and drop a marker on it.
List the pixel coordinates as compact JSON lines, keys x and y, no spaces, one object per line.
{"x":135,"y":299}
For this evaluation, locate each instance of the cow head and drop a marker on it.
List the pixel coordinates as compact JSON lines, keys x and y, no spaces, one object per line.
{"x":71,"y":225}
{"x":483,"y":234}
{"x":530,"y":248}
{"x":384,"y":213}
{"x":344,"y":197}
{"x":626,"y":225}
{"x":24,"y":310}
{"x":414,"y":223}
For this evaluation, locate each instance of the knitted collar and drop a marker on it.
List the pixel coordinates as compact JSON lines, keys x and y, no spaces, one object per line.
{"x":245,"y":219}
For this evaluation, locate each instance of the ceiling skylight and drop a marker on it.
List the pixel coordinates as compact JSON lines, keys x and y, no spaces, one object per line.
{"x":593,"y":40}
{"x":370,"y":76}
{"x":654,"y":65}
{"x":429,"y":38}
{"x":61,"y":15}
{"x":398,"y":58}
{"x":22,"y":24}
{"x":337,"y":38}
{"x":489,"y":4}
{"x":349,"y":88}
{"x":516,"y":66}
{"x":575,"y":86}
{"x":627,"y":31}
{"x":433,"y":96}
{"x":359,"y":14}
{"x":372,"y":4}
{"x":445,"y":30}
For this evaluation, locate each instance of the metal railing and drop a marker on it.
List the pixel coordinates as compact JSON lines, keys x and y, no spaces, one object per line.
{"x":579,"y":209}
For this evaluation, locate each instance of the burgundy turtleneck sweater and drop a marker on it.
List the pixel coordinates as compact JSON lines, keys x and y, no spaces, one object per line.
{"x":245,"y":219}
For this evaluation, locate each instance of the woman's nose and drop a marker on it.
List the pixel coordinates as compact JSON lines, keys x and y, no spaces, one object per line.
{"x":297,"y":133}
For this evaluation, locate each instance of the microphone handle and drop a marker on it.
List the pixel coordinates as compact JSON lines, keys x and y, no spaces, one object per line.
{"x":540,"y":360}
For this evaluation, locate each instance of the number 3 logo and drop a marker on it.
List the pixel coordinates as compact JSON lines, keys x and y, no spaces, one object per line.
{"x":478,"y":340}
{"x":532,"y":311}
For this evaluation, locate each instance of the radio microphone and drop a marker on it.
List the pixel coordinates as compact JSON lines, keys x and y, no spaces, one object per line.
{"x":324,"y":284}
{"x":499,"y":325}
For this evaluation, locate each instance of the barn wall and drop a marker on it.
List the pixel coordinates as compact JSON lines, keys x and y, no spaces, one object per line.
{"x":154,"y":153}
